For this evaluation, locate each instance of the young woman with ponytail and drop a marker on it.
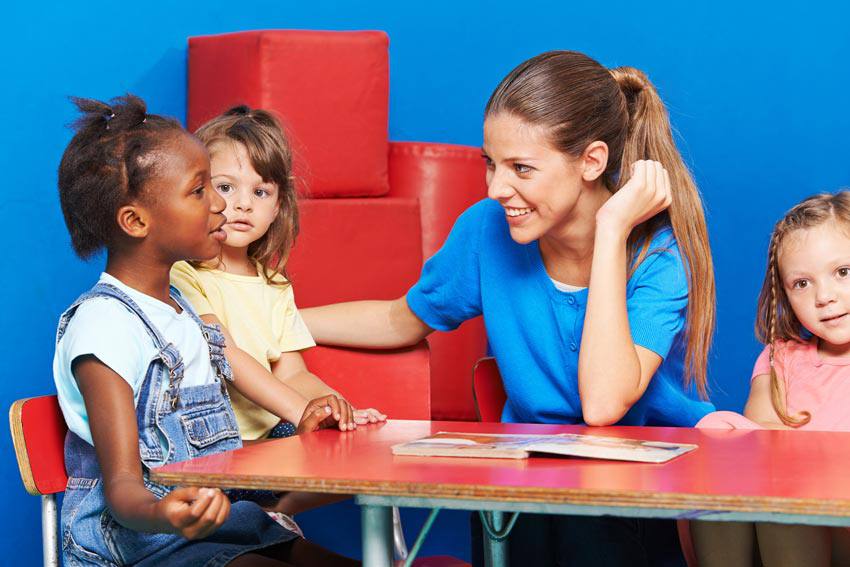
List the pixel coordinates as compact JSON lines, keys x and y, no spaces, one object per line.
{"x":591,"y":265}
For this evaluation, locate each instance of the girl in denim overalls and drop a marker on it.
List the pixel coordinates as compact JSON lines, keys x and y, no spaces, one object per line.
{"x":140,"y":377}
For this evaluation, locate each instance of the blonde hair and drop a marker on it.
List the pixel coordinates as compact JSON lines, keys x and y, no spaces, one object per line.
{"x":580,"y":101}
{"x":271,"y":157}
{"x":775,"y":319}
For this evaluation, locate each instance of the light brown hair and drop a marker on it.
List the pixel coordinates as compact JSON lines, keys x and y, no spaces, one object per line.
{"x":580,"y":102}
{"x":775,"y":320}
{"x":271,"y":157}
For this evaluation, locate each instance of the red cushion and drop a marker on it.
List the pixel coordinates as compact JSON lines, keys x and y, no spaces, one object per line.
{"x":331,"y":90}
{"x":397,"y":382}
{"x":355,"y":249}
{"x":447,"y":179}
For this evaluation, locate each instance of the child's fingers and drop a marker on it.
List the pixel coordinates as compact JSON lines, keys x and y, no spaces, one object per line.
{"x":346,"y":416}
{"x":313,"y":417}
{"x":333,"y":403}
{"x":202,"y":503}
{"x":369,"y":415}
{"x":183,"y":506}
{"x":186,"y":494}
{"x":224,"y":512}
{"x":375,"y":415}
{"x":206,"y":524}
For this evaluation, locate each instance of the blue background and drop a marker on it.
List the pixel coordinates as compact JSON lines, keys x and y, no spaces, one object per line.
{"x":759,"y":96}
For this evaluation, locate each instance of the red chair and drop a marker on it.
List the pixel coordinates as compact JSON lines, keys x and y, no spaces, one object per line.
{"x":488,"y":392}
{"x":397,"y":382}
{"x":372,"y":209}
{"x":38,"y":434}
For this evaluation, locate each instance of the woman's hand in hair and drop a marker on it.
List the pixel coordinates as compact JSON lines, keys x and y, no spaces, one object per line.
{"x":645,"y":194}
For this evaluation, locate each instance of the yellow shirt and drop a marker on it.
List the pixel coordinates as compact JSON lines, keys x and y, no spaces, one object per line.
{"x":261,"y":318}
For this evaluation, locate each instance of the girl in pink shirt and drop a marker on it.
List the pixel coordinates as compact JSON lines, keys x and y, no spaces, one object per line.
{"x":802,"y":378}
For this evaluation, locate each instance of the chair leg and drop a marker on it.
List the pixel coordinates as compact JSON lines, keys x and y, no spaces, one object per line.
{"x":399,"y":544}
{"x":49,"y":530}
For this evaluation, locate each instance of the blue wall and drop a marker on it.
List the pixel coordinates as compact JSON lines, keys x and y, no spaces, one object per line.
{"x":760,"y":96}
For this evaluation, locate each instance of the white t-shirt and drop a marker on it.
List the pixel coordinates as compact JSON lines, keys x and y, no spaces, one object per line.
{"x":105,"y":328}
{"x":561,"y":286}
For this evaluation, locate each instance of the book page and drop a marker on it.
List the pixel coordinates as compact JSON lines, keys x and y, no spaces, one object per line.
{"x":519,"y":446}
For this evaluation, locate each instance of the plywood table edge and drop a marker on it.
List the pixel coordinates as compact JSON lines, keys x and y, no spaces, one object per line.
{"x":586,"y":497}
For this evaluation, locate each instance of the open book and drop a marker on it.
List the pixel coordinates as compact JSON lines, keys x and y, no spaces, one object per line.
{"x":507,"y":446}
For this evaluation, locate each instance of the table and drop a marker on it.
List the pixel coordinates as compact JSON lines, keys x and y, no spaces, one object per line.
{"x":777,"y":476}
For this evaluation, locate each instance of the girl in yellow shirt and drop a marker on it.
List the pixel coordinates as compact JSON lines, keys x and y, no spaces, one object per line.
{"x":245,"y":289}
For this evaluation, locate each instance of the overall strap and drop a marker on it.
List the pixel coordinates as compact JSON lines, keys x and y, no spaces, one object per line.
{"x":167,"y":353}
{"x":102,"y":289}
{"x":213,"y":336}
{"x":185,"y":305}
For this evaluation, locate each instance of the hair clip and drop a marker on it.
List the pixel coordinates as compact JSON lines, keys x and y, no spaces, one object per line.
{"x":108,"y":118}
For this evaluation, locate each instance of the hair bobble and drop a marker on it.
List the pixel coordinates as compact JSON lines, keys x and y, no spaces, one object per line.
{"x":241,"y":110}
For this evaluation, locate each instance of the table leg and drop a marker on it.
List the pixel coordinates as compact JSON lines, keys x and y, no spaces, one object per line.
{"x":377,"y":526}
{"x":495,"y":548}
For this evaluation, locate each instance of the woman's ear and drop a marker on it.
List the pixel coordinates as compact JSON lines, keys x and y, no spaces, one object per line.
{"x":594,"y":160}
{"x":133,"y":221}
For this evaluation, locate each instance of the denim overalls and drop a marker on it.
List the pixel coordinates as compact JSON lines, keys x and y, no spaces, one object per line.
{"x":174,"y":424}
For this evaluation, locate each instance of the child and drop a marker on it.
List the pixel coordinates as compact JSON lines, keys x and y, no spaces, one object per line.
{"x":592,"y":270}
{"x":245,"y":289}
{"x":140,"y":377}
{"x":801,"y":380}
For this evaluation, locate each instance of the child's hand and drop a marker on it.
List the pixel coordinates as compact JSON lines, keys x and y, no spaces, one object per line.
{"x":369,"y":415}
{"x":194,"y":513}
{"x":325,"y":412}
{"x":645,"y":194}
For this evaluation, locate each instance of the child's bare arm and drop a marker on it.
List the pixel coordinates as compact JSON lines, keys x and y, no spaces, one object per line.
{"x":291,"y":370}
{"x":190,"y":512}
{"x":759,"y":408}
{"x":366,"y":324}
{"x":264,"y":389}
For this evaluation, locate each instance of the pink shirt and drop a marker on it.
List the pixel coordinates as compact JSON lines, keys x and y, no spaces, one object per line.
{"x":815,"y":384}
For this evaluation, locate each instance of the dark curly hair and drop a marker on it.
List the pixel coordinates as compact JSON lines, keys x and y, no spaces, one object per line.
{"x":106,"y":165}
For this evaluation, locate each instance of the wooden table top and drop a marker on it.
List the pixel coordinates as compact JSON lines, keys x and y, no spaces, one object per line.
{"x":794,"y":472}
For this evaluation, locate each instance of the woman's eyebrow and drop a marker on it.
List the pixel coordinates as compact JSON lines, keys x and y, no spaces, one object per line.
{"x":511,"y":158}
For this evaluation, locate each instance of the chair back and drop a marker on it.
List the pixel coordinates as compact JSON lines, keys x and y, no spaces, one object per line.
{"x":395,"y":381}
{"x":38,"y":433}
{"x":488,"y":390}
